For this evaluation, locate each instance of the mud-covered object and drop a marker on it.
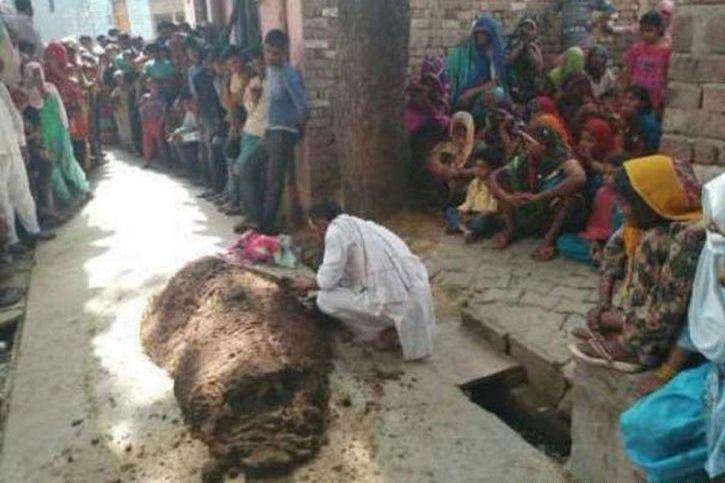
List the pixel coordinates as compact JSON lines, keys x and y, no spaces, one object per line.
{"x":248,"y":361}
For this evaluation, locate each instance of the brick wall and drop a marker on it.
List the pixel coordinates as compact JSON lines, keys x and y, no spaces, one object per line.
{"x":437,"y":25}
{"x":695,"y":116}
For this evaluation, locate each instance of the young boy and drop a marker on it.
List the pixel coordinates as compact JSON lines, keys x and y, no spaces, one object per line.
{"x":152,"y":108}
{"x":648,"y":61}
{"x":287,"y":116}
{"x":475,"y":217}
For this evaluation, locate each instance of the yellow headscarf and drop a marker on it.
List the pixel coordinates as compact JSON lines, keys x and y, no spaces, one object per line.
{"x":466,"y":120}
{"x":657,"y":181}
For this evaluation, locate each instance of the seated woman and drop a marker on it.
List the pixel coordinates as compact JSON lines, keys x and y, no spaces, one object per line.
{"x":447,"y":165}
{"x":525,"y":61}
{"x":596,"y":151}
{"x":540,"y":192}
{"x":648,"y":267}
{"x":478,"y":64}
{"x":554,"y":122}
{"x":576,"y":94}
{"x":573,"y":63}
{"x":597,"y":69}
{"x":500,"y":133}
{"x":679,"y":431}
{"x":643,"y":131}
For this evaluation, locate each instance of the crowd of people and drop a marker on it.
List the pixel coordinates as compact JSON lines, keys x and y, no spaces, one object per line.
{"x":506,"y":147}
{"x":190,"y":102}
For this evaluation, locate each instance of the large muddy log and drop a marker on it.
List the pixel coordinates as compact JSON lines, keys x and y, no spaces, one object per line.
{"x":248,"y":361}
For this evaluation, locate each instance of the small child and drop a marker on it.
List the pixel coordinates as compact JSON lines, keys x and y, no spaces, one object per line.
{"x":643,"y":130}
{"x":475,"y":217}
{"x":187,"y":137}
{"x":648,"y":60}
{"x":119,"y":98}
{"x":152,"y":108}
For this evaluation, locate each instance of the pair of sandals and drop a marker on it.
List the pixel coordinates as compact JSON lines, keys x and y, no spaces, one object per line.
{"x":595,"y":349}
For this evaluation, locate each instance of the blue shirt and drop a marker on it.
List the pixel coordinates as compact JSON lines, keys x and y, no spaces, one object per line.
{"x":288,"y":107}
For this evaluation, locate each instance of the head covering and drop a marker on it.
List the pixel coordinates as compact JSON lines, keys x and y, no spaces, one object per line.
{"x":436,"y":67}
{"x":707,"y":305}
{"x":573,"y":62}
{"x":666,"y":7}
{"x":490,"y":25}
{"x":464,"y":119}
{"x":546,"y":105}
{"x":56,"y":72}
{"x":556,"y":124}
{"x":604,"y":135}
{"x":670,"y":189}
{"x":35,"y":98}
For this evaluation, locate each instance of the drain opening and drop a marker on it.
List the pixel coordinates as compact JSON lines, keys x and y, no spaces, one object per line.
{"x":521,"y":408}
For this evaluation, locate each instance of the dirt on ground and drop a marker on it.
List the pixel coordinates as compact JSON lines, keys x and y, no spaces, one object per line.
{"x":249,"y":363}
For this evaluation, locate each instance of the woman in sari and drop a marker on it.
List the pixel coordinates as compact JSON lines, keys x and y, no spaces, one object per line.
{"x":556,"y":123}
{"x":478,"y":64}
{"x":680,"y":430}
{"x":62,"y":75}
{"x":573,"y":63}
{"x":447,"y":165}
{"x":525,"y":61}
{"x":68,"y":179}
{"x":597,"y":152}
{"x":539,"y":192}
{"x":650,"y":261}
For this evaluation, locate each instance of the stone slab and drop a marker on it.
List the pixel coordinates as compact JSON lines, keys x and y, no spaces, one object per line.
{"x":599,"y":396}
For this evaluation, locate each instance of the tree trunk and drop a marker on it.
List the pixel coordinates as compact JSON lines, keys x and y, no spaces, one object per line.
{"x":372,"y":53}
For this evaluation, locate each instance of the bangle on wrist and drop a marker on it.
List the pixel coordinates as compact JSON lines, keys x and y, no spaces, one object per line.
{"x":665,"y":373}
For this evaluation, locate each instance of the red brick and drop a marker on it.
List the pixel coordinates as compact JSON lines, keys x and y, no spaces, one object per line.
{"x":681,"y":121}
{"x":684,"y":96}
{"x":684,"y":32}
{"x":679,"y":147}
{"x":709,"y":151}
{"x":712,"y":125}
{"x":715,"y":34}
{"x":714,"y":97}
{"x":697,"y":67}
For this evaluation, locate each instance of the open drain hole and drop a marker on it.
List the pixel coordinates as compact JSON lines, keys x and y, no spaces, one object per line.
{"x":521,"y":408}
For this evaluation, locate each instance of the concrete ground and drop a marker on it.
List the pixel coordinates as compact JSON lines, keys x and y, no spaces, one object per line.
{"x":88,"y":406}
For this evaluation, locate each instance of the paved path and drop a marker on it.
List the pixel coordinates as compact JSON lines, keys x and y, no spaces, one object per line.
{"x":88,"y":406}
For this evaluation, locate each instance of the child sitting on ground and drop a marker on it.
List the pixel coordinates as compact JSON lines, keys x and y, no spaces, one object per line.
{"x":476,"y":216}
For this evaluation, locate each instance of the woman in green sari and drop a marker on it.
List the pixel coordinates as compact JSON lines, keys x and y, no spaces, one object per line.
{"x":540,"y":192}
{"x":68,"y":179}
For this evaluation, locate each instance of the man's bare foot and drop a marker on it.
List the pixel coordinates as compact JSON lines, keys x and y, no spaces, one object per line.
{"x":503,"y":240}
{"x":387,"y":340}
{"x":544,"y":253}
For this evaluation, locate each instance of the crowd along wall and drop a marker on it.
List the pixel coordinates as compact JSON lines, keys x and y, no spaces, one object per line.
{"x":695,"y":116}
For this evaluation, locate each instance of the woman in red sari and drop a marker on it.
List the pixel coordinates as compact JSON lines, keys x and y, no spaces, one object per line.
{"x":60,"y":72}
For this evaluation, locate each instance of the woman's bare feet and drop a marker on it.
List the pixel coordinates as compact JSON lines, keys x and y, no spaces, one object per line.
{"x":503,"y":240}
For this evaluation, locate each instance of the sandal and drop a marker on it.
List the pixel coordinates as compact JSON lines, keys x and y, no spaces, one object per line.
{"x":603,"y":353}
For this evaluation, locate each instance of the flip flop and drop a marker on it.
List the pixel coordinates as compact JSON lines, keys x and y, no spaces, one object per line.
{"x":606,"y":360}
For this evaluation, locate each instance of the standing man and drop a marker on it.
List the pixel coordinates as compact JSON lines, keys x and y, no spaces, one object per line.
{"x":21,"y":24}
{"x":287,"y":116}
{"x":371,"y":282}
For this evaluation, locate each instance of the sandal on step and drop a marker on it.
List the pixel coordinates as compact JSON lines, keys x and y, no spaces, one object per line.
{"x":600,"y":352}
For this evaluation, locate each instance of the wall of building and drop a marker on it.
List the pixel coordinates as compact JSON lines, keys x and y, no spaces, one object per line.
{"x":62,"y":18}
{"x":695,"y":117}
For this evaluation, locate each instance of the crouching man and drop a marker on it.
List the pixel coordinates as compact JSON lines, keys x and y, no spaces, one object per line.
{"x":371,"y":282}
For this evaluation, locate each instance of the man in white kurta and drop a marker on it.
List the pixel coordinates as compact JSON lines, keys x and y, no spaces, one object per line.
{"x":371,"y":282}
{"x":15,"y":195}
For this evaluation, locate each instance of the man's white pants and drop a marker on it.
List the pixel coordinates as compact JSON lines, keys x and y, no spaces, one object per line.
{"x":354,"y":309}
{"x":15,"y":196}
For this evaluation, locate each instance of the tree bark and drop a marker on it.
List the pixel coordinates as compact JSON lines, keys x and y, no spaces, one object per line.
{"x":372,"y":53}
